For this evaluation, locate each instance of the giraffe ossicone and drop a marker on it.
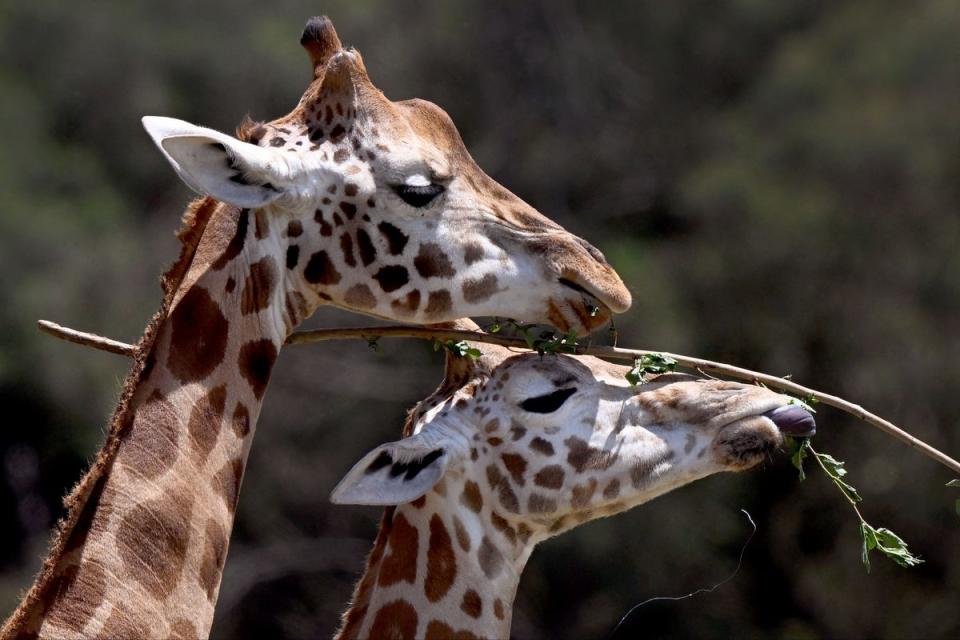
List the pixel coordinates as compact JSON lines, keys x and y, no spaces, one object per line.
{"x":351,"y":200}
{"x":514,"y":449}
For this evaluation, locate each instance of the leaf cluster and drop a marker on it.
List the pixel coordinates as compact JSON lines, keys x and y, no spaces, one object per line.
{"x":650,"y":364}
{"x":459,"y":348}
{"x":872,"y":538}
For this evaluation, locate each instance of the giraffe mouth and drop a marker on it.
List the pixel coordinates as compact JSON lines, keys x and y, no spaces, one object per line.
{"x":590,"y":310}
{"x":793,"y":420}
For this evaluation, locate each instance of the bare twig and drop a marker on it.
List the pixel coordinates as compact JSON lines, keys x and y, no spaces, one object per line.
{"x":87,"y":339}
{"x":616,"y":353}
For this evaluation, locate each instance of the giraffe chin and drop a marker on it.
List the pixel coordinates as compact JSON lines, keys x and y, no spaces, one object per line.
{"x":744,"y":443}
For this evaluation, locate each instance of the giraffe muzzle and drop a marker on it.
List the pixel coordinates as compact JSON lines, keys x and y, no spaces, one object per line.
{"x":793,"y":420}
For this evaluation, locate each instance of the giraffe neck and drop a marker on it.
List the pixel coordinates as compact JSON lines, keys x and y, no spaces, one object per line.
{"x":443,"y":566}
{"x":146,"y":555}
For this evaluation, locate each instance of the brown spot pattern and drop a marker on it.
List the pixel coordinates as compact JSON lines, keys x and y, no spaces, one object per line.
{"x":236,"y":242}
{"x":583,"y":494}
{"x":471,"y":497}
{"x":541,"y":504}
{"x":293,"y":256}
{"x":400,"y":564}
{"x":480,"y":290}
{"x":320,"y":269}
{"x":542,"y":446}
{"x":407,"y":305}
{"x":368,"y":253}
{"x":441,"y":562}
{"x":77,"y":592}
{"x":396,"y":239}
{"x":261,"y":224}
{"x":392,"y":277}
{"x":498,"y":609}
{"x":259,"y":286}
{"x":612,"y":490}
{"x":151,"y":446}
{"x":432,"y":262}
{"x":491,"y":561}
{"x":200,"y":333}
{"x":583,"y":457}
{"x":463,"y":538}
{"x":227,"y":483}
{"x":241,"y":420}
{"x":214,"y":555}
{"x":120,"y":624}
{"x":256,"y":361}
{"x":498,"y":482}
{"x":183,"y":629}
{"x":152,"y":541}
{"x":294,"y":229}
{"x":346,"y":247}
{"x":472,"y":252}
{"x":206,"y":418}
{"x":550,"y":477}
{"x":472,"y":605}
{"x":396,"y":620}
{"x":359,"y":296}
{"x":437,"y":630}
{"x":439,"y":302}
{"x":516,"y":466}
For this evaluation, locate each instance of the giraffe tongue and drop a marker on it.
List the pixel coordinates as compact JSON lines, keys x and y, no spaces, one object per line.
{"x":793,"y":420}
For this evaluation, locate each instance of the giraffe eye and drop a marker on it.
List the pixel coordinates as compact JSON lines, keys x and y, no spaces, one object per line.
{"x":547,"y":403}
{"x":418,"y":195}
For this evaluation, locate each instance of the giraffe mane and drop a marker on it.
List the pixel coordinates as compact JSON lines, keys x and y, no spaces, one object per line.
{"x":193,"y":224}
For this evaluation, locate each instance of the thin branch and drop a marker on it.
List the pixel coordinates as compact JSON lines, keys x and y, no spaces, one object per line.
{"x":616,"y":353}
{"x":87,"y":339}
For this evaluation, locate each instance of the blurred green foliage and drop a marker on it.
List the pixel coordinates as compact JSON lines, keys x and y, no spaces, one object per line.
{"x":777,"y":182}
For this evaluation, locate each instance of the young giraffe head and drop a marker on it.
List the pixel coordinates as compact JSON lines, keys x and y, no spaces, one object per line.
{"x":383,"y":211}
{"x":514,"y":449}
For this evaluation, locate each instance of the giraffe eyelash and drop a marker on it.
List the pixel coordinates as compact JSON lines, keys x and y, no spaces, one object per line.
{"x":547,"y":403}
{"x":418,"y":195}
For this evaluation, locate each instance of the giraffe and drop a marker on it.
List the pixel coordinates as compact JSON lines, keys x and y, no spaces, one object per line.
{"x":516,"y":448}
{"x":351,"y":200}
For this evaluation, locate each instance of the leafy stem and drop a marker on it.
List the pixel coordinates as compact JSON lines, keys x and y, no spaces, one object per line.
{"x":872,"y":538}
{"x":650,"y":363}
{"x":459,"y":348}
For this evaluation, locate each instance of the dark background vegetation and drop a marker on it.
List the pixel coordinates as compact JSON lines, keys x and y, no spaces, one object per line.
{"x":777,"y":182}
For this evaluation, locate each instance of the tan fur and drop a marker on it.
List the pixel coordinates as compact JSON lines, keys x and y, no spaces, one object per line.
{"x":194,"y":223}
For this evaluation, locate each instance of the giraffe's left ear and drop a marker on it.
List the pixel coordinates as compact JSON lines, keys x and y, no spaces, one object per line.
{"x":398,"y":472}
{"x":215,"y":164}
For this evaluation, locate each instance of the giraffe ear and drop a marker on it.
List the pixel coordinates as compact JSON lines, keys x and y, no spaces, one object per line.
{"x":396,"y":472}
{"x":215,"y":164}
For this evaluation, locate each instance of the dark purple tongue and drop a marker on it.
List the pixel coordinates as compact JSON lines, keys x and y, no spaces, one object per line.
{"x":793,"y":420}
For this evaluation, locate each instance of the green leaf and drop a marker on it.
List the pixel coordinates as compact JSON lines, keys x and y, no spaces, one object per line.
{"x":374,"y":344}
{"x":835,"y":469}
{"x":800,"y":448}
{"x":893,"y":546}
{"x":806,"y":403}
{"x":460,"y":349}
{"x":869,"y":537}
{"x":650,"y":363}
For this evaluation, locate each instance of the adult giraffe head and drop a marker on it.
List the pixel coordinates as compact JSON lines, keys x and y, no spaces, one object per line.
{"x":514,"y":449}
{"x":382,"y":210}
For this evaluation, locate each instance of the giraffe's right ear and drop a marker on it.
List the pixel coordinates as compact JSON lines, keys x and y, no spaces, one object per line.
{"x":398,"y":472}
{"x":215,"y":164}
